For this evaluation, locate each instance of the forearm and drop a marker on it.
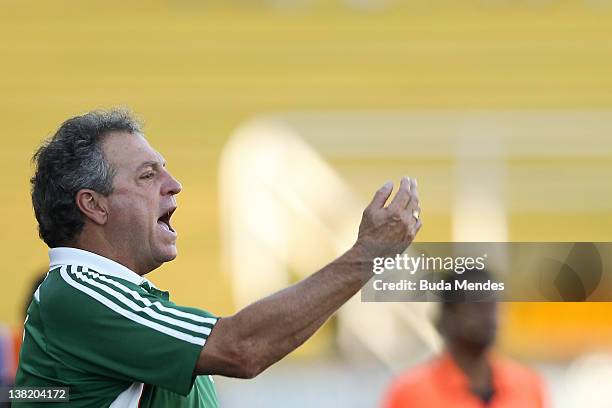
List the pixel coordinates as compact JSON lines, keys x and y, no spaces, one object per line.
{"x":276,"y":325}
{"x":262,"y":333}
{"x":246,"y":343}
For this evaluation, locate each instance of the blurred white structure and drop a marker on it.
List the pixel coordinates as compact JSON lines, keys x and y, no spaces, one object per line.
{"x":287,"y":209}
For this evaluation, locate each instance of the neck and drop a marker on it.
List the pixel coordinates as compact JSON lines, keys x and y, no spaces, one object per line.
{"x":474,"y":364}
{"x":101,"y":246}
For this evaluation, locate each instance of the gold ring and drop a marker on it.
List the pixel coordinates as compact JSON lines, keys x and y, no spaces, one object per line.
{"x":416,"y":214}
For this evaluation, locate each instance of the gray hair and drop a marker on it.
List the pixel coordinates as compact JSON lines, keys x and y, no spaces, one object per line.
{"x":71,"y":160}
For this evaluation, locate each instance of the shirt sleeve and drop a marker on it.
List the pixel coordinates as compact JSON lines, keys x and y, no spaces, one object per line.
{"x":111,"y":327}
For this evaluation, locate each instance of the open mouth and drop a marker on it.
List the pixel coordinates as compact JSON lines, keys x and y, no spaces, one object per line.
{"x":164,"y":220}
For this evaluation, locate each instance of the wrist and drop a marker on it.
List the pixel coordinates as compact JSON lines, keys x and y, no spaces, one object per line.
{"x":359,"y":258}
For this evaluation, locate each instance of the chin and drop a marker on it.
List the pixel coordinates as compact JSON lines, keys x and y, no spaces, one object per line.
{"x":166,"y":255}
{"x":171,"y":256}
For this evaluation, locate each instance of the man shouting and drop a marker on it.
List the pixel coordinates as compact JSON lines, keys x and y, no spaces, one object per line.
{"x":104,"y":201}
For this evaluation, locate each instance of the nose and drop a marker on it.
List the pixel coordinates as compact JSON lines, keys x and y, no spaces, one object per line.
{"x":172,"y":186}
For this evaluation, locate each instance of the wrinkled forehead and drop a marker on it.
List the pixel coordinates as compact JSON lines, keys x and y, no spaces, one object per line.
{"x":128,"y":152}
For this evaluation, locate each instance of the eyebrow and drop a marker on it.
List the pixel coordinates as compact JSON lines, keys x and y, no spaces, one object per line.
{"x":154,"y":164}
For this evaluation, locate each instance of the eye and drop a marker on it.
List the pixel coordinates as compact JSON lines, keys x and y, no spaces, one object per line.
{"x":147,"y":176}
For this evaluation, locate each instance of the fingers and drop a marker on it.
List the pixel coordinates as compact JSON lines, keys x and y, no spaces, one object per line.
{"x":381,"y":196}
{"x":414,"y":192}
{"x":418,"y":226}
{"x":413,"y":203}
{"x":387,"y":230}
{"x":406,"y":201}
{"x":401,"y":199}
{"x":413,"y":208}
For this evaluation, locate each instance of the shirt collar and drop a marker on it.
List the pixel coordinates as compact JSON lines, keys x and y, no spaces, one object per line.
{"x":455,"y":377}
{"x":73,"y":256}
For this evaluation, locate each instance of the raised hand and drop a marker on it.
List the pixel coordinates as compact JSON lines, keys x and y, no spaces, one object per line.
{"x":387,"y":231}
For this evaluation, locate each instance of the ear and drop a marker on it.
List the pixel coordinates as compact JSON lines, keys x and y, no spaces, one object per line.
{"x":93,"y":205}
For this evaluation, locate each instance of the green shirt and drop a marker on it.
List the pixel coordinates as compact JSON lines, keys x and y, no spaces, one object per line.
{"x":113,"y":338}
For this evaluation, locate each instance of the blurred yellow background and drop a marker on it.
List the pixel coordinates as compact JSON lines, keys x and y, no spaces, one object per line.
{"x":197,"y":70}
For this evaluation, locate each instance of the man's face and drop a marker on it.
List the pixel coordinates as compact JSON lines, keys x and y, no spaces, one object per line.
{"x":141,"y":203}
{"x":472,"y":325}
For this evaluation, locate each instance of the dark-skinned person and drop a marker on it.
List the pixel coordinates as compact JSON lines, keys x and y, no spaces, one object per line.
{"x":467,"y":373}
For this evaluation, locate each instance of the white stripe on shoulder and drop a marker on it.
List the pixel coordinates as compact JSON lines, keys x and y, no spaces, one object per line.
{"x":37,"y":293}
{"x":147,"y":302}
{"x":145,"y":309}
{"x":126,"y":313}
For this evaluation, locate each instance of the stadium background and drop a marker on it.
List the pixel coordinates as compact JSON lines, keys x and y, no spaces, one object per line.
{"x":197,"y":71}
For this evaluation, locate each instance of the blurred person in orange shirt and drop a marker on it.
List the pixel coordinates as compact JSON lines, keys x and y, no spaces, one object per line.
{"x":467,"y":374}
